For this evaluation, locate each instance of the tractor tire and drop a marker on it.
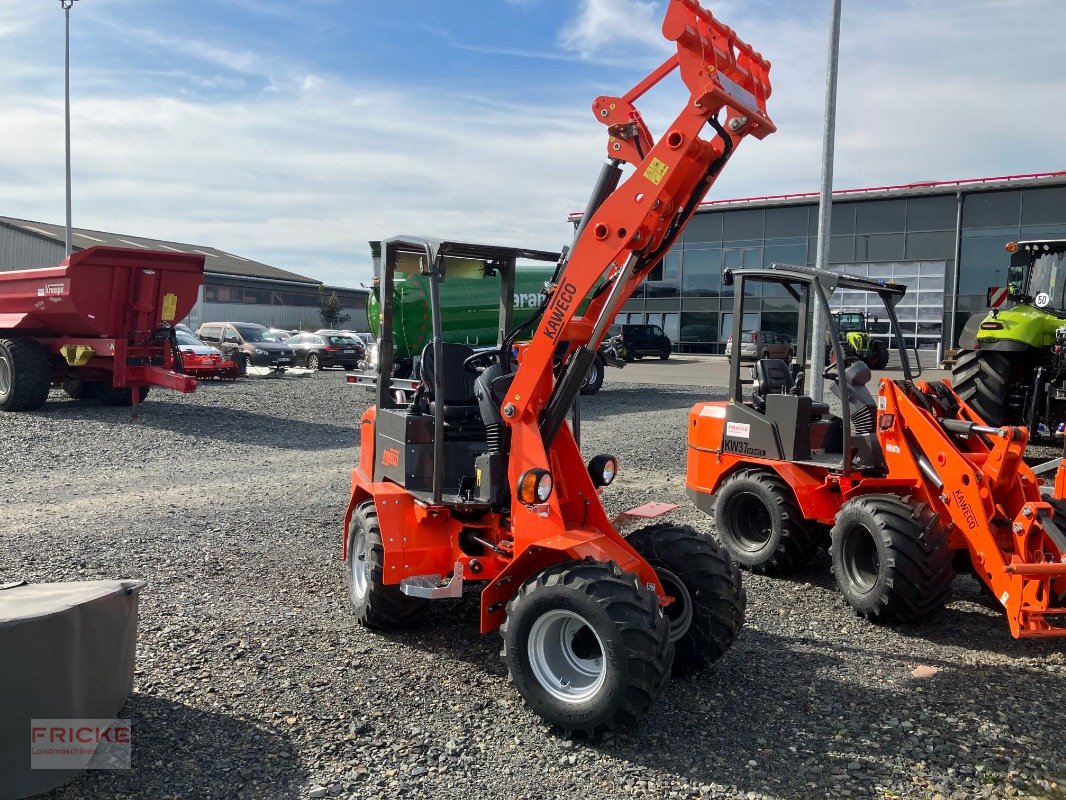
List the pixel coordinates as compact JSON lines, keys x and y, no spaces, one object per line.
{"x":709,"y":598}
{"x":587,"y":646}
{"x":891,"y":558}
{"x":25,"y":375}
{"x":761,"y":525}
{"x":77,"y":389}
{"x":981,"y":378}
{"x":878,"y":356}
{"x":376,"y":605}
{"x":594,"y":378}
{"x":113,"y":396}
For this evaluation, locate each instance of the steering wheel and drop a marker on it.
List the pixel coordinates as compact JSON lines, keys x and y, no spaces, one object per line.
{"x":828,"y":371}
{"x":473,"y":362}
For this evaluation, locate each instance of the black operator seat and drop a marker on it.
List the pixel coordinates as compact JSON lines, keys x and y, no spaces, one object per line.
{"x":457,"y":390}
{"x":774,"y":376}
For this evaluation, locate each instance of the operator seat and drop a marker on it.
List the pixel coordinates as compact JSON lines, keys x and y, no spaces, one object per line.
{"x":774,"y":376}
{"x":457,"y":390}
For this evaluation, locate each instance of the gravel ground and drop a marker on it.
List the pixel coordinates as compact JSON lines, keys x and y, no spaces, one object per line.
{"x":253,"y":680}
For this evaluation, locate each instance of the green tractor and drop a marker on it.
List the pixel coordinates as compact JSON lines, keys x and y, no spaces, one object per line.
{"x":1012,"y":368}
{"x":857,"y":342}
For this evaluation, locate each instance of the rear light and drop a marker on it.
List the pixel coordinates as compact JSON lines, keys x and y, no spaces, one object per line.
{"x":991,"y":326}
{"x":332,"y":349}
{"x":351,"y":379}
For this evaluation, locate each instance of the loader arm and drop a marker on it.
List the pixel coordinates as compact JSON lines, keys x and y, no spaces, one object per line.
{"x":975,"y":477}
{"x":627,"y":228}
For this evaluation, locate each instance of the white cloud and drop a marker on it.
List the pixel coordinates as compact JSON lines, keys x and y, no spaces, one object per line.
{"x":614,"y":23}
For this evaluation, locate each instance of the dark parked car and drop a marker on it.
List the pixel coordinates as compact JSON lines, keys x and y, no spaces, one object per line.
{"x":321,"y":350}
{"x":251,"y":345}
{"x":645,"y":340}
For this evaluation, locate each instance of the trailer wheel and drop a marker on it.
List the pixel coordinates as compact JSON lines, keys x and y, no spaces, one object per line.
{"x":891,"y":558}
{"x":594,"y":379}
{"x":980,"y":378}
{"x":709,"y":599}
{"x":587,"y":646}
{"x":25,"y":375}
{"x":761,"y":525}
{"x":376,"y":605}
{"x":77,"y":389}
{"x":120,"y":396}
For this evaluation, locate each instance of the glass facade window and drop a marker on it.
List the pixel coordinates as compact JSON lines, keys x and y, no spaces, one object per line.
{"x":905,"y":238}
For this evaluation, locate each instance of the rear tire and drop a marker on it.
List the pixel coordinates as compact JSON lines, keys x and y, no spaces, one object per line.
{"x":113,"y":396}
{"x":981,"y":378}
{"x":587,"y":646}
{"x":376,"y":605}
{"x":878,"y":358}
{"x":891,"y":558}
{"x":709,"y":598}
{"x":761,"y":525}
{"x":77,"y":389}
{"x":313,"y":362}
{"x":665,"y":354}
{"x":25,"y":375}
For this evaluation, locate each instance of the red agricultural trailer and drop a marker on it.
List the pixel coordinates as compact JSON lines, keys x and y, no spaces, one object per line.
{"x":100,"y":324}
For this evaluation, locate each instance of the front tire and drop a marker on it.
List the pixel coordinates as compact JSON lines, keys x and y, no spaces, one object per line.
{"x":25,"y":375}
{"x":709,"y":598}
{"x":878,"y":358}
{"x":891,"y":558}
{"x":760,"y":523}
{"x":376,"y":605}
{"x":313,"y":362}
{"x":981,"y":378}
{"x":665,"y":354}
{"x":587,"y":646}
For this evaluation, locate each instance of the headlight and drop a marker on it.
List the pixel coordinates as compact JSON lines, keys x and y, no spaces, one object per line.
{"x":259,"y":352}
{"x":535,"y":486}
{"x":603,"y":469}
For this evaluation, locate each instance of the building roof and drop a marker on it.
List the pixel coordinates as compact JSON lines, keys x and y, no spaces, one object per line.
{"x":923,"y":188}
{"x":218,"y":261}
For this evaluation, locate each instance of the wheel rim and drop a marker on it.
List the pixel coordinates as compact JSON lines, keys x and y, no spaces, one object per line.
{"x":859,"y":557}
{"x":566,"y":656}
{"x":312,"y":362}
{"x":750,"y":522}
{"x":593,"y":376}
{"x":357,"y":556}
{"x":679,"y":612}
{"x":5,"y":375}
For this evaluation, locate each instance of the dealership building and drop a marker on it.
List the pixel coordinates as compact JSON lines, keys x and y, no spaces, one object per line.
{"x":945,"y":241}
{"x":235,"y":289}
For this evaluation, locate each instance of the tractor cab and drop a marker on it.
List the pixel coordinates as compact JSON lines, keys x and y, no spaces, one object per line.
{"x":1037,"y":275}
{"x":777,"y":419}
{"x":438,"y":432}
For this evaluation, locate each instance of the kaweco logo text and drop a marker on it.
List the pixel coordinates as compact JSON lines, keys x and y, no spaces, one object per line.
{"x":564,"y":298}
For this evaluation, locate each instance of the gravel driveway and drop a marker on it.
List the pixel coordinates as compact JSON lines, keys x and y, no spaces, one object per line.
{"x":253,"y":680}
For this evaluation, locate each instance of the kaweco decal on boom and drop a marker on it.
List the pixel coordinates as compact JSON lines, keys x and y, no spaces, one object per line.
{"x":564,"y":298}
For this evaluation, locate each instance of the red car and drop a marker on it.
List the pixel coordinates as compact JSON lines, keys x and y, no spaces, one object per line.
{"x":203,"y":361}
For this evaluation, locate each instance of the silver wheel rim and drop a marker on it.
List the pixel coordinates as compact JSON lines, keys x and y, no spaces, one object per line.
{"x":360,"y":580}
{"x":593,"y":376}
{"x":566,"y":655}
{"x":312,"y":362}
{"x":5,"y":375}
{"x":679,"y":612}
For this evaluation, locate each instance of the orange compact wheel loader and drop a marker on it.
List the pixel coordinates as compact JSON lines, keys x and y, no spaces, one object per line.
{"x":479,"y":479}
{"x":907,"y":484}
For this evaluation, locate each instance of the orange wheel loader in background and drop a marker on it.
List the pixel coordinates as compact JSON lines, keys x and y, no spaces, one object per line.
{"x":912,"y":482}
{"x":480,"y":478}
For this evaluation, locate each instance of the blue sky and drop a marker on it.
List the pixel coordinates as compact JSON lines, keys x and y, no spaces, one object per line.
{"x":293,"y":132}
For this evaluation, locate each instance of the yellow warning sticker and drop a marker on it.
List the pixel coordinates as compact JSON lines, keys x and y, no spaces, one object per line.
{"x":170,"y":307}
{"x":655,"y":171}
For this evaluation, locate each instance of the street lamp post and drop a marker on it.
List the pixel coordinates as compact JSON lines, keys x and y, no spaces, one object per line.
{"x":67,"y":5}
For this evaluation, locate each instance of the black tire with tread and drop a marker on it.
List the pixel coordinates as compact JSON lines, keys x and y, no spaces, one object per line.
{"x":981,"y":378}
{"x":625,"y":614}
{"x":878,"y":357}
{"x":793,"y":540}
{"x":713,"y":585}
{"x":665,"y":354}
{"x":119,"y":396}
{"x":385,"y":606}
{"x":31,"y":375}
{"x":317,"y":361}
{"x":914,"y":562}
{"x":77,"y":389}
{"x":594,"y":381}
